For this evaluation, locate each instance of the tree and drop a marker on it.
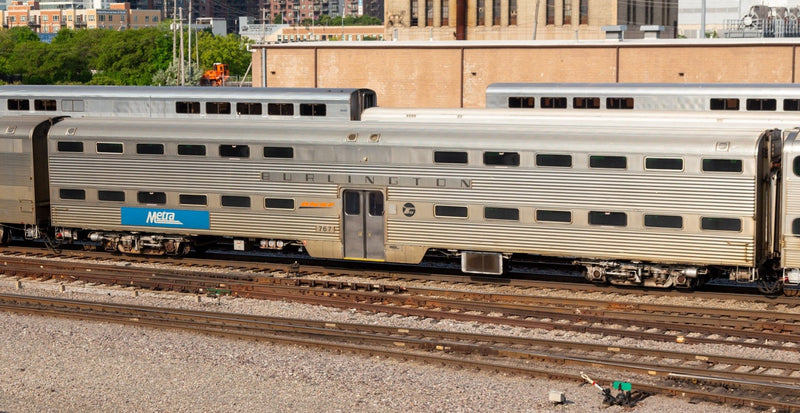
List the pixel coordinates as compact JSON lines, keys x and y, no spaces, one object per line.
{"x":230,"y":49}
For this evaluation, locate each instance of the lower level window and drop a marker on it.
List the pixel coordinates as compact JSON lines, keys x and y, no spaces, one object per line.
{"x":721,"y":224}
{"x":617,"y":219}
{"x":152,"y":197}
{"x":450,"y":211}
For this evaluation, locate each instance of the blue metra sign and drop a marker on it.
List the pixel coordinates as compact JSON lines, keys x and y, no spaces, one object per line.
{"x":164,"y":218}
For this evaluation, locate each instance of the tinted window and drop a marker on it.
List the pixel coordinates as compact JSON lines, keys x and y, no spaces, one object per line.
{"x":450,"y":157}
{"x":352,"y":203}
{"x":247,"y":108}
{"x":791,"y":104}
{"x":586,"y":103}
{"x":796,"y":226}
{"x":187,"y":107}
{"x":116,"y":196}
{"x":280,"y":109}
{"x":279,"y":203}
{"x":70,"y":146}
{"x":234,"y":151}
{"x":501,"y":158}
{"x":72,"y":194}
{"x":193,"y":199}
{"x":617,"y":219}
{"x":222,"y":108}
{"x":19,"y":104}
{"x":192,"y":150}
{"x":522,"y":102}
{"x":721,"y":224}
{"x":375,"y":204}
{"x":151,"y":197}
{"x":616,"y":162}
{"x":236,"y":201}
{"x":553,"y":216}
{"x":450,"y":211}
{"x":673,"y":164}
{"x":109,"y":147}
{"x":554,"y":102}
{"x":150,"y":148}
{"x":564,"y":161}
{"x":619,"y":103}
{"x":796,"y":165}
{"x":724,"y":104}
{"x":278,"y":152}
{"x":722,"y":165}
{"x":312,"y":109}
{"x":762,"y":104}
{"x":511,"y":214}
{"x":44,"y":104}
{"x":663,"y":221}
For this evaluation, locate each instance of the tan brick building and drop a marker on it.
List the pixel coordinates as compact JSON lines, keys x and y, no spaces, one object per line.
{"x":118,"y":16}
{"x":517,"y":19}
{"x":456,"y":73}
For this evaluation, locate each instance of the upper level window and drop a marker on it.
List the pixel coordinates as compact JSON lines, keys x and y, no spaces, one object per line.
{"x":187,"y":107}
{"x":192,"y":150}
{"x":796,"y":165}
{"x":762,"y":104}
{"x":663,"y":221}
{"x":553,"y":216}
{"x":218,"y":108}
{"x":721,"y":224}
{"x":614,"y":162}
{"x":44,"y":104}
{"x":64,"y":146}
{"x":150,"y":148}
{"x":72,"y":105}
{"x":280,"y":109}
{"x":450,"y":157}
{"x":501,"y":158}
{"x":152,"y":197}
{"x":72,"y":193}
{"x":563,"y":161}
{"x":450,"y":211}
{"x":522,"y":102}
{"x":791,"y":105}
{"x":796,"y":226}
{"x":279,"y":203}
{"x":249,"y":108}
{"x":313,"y":109}
{"x":109,"y":147}
{"x":236,"y":201}
{"x":510,"y":214}
{"x":673,"y":164}
{"x":188,"y":199}
{"x":619,"y":103}
{"x":278,"y":152}
{"x":724,"y":104}
{"x":617,"y":219}
{"x":586,"y":103}
{"x":722,"y":165}
{"x":553,"y":102}
{"x":19,"y":104}
{"x":234,"y":151}
{"x":112,"y":196}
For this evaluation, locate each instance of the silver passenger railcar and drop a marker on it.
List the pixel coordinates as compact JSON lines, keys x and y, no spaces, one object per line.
{"x":641,"y":206}
{"x":186,"y":102}
{"x":723,"y":97}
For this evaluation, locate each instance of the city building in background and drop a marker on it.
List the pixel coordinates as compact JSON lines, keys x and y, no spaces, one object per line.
{"x":118,"y":16}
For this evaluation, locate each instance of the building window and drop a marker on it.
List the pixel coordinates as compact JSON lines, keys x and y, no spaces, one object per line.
{"x":91,"y":17}
{"x":414,"y":13}
{"x":550,"y":12}
{"x":446,"y":13}
{"x":44,"y":18}
{"x":567,"y":9}
{"x":584,"y":11}
{"x":496,"y":12}
{"x":429,"y":13}
{"x":481,"y":13}
{"x":512,"y":12}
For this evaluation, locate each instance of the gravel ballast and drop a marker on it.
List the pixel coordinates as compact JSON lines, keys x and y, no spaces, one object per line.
{"x":53,"y":364}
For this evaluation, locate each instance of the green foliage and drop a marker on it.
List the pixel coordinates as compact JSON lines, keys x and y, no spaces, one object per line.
{"x":326,"y":20}
{"x":110,"y":57}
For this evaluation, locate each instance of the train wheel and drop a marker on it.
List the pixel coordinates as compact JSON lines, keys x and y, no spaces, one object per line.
{"x":770,"y":286}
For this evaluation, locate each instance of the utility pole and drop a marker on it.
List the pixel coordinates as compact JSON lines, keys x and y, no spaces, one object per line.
{"x":535,"y":19}
{"x":174,"y":34}
{"x":183,"y":73}
{"x":190,"y":41}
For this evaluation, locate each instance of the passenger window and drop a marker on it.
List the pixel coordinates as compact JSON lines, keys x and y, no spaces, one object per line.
{"x":151,"y":197}
{"x":619,"y":103}
{"x":109,"y":147}
{"x":352,"y":203}
{"x":248,"y":108}
{"x":721,"y":224}
{"x":450,"y":211}
{"x":234,"y":151}
{"x":278,"y":152}
{"x":187,"y":199}
{"x":218,"y":108}
{"x":509,"y":214}
{"x":280,"y":109}
{"x":796,"y":165}
{"x":149,"y":148}
{"x":236,"y":201}
{"x":44,"y":105}
{"x":312,"y":109}
{"x":796,"y":226}
{"x":72,"y":193}
{"x":722,"y":165}
{"x":791,"y":105}
{"x":19,"y":104}
{"x":192,"y":150}
{"x":64,"y":146}
{"x":501,"y":158}
{"x":586,"y":103}
{"x":69,"y":105}
{"x":450,"y":157}
{"x":563,"y":161}
{"x":553,"y":216}
{"x":187,"y":107}
{"x":522,"y":102}
{"x":616,"y":219}
{"x":762,"y":104}
{"x":612,"y":162}
{"x":554,"y":103}
{"x":663,"y":221}
{"x":672,"y":164}
{"x":376,"y":204}
{"x":279,"y":203}
{"x":114,"y":196}
{"x":724,"y":104}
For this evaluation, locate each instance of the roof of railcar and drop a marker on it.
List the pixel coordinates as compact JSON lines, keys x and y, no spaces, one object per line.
{"x":649,"y":89}
{"x":174,"y":92}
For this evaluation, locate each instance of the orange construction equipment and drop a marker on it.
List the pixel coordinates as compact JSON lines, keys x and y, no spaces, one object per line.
{"x":216,"y":76}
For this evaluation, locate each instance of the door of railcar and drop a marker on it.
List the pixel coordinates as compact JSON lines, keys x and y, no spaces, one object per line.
{"x":363,"y":224}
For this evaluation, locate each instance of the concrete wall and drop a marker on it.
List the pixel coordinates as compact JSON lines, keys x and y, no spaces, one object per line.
{"x":455,"y":74}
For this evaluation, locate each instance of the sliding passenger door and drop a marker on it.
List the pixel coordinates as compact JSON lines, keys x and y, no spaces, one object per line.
{"x":363,"y":224}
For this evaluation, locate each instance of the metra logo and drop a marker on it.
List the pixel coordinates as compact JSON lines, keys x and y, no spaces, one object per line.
{"x":162,"y":217}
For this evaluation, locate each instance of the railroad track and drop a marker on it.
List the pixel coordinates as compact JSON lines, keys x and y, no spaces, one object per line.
{"x":759,"y":383}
